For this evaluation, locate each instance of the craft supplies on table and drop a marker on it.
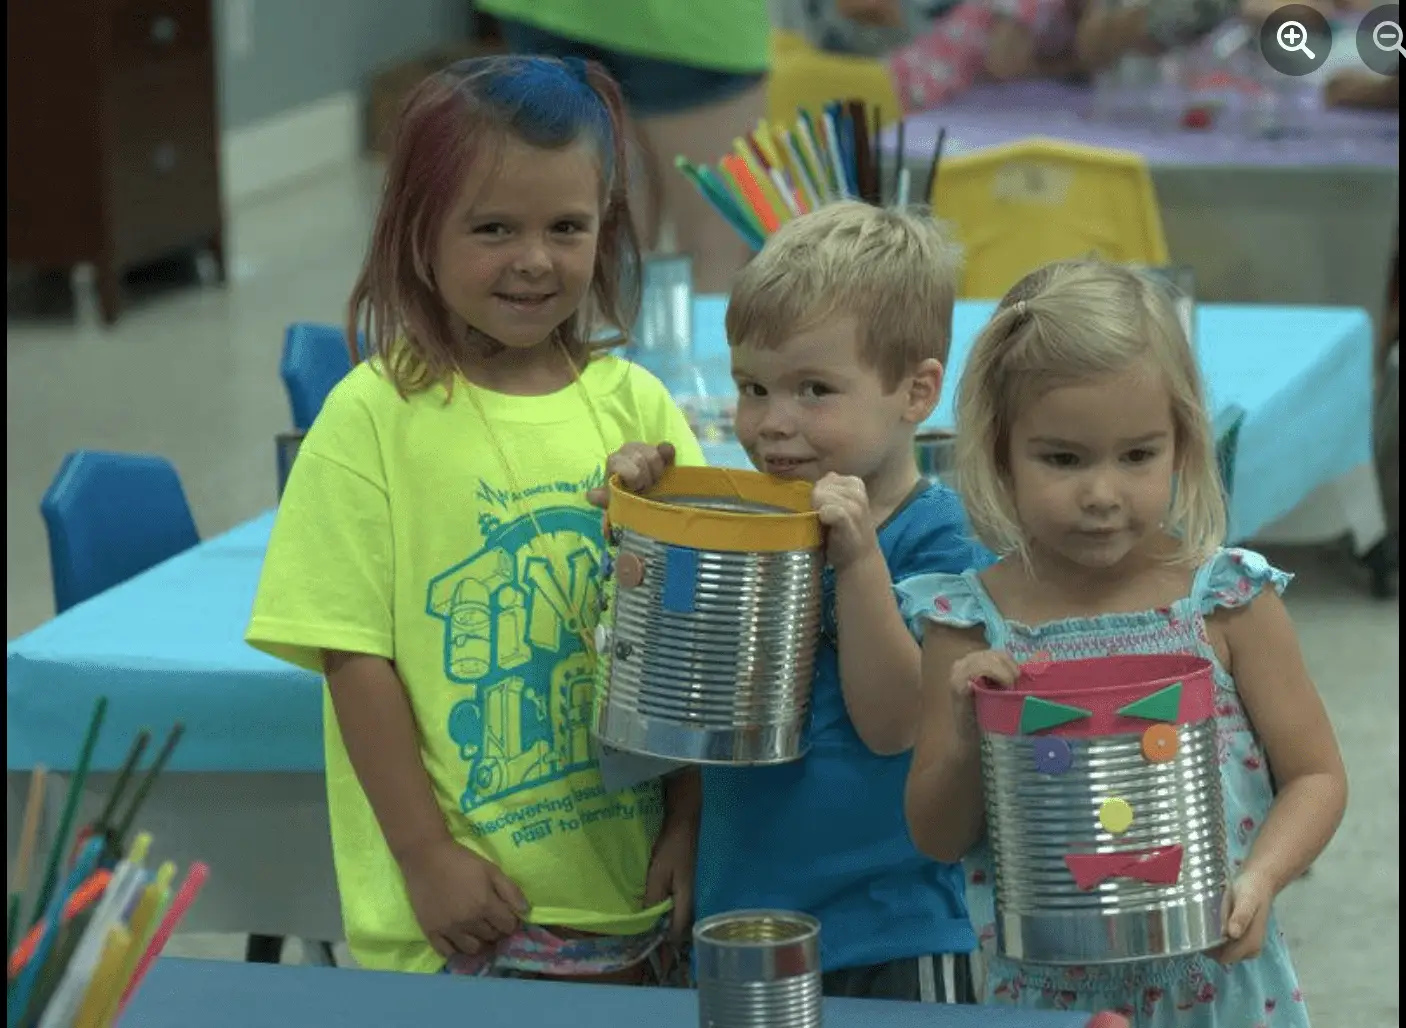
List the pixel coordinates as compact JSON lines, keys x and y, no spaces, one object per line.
{"x":776,"y":172}
{"x":100,"y":917}
{"x":1104,"y":809}
{"x":707,"y":642}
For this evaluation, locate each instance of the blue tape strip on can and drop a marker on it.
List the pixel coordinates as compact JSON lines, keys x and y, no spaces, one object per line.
{"x":680,"y":580}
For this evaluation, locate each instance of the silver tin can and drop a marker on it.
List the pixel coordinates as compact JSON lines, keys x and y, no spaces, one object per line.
{"x":707,"y":644}
{"x":1107,"y":831}
{"x":758,"y":969}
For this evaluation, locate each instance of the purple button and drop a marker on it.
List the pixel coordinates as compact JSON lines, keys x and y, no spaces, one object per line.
{"x":1052,"y":756}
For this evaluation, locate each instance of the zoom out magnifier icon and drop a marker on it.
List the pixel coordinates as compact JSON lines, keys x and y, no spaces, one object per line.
{"x":1389,"y":39}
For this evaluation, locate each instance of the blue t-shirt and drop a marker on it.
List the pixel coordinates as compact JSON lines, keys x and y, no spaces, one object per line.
{"x":826,"y":835}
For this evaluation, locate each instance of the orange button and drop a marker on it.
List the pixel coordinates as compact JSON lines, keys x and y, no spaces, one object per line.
{"x":1159,"y":743}
{"x":629,"y":570}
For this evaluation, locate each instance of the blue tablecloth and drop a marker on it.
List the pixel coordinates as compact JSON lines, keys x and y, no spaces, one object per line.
{"x":168,"y":644}
{"x":165,"y":646}
{"x":212,"y":994}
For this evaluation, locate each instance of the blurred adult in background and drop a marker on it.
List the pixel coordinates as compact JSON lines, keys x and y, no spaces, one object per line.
{"x":1256,"y":11}
{"x":1110,"y":30}
{"x":937,"y":49}
{"x":1365,"y":89}
{"x":862,"y":28}
{"x":693,"y":78}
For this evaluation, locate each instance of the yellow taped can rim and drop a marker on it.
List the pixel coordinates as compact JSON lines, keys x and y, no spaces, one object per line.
{"x":651,"y":514}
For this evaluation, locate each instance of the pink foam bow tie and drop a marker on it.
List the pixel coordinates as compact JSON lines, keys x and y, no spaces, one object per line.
{"x":1159,"y":866}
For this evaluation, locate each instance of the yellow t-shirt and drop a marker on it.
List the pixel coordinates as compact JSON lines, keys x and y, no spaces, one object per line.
{"x":400,"y":535}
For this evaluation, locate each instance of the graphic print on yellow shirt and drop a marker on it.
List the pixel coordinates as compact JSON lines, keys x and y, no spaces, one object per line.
{"x":513,"y":613}
{"x":400,"y":535}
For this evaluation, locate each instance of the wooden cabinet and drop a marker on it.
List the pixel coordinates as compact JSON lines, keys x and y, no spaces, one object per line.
{"x":112,"y":134}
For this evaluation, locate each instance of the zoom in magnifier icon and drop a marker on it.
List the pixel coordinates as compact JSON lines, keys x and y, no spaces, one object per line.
{"x":1293,"y":38}
{"x":1388,"y":38}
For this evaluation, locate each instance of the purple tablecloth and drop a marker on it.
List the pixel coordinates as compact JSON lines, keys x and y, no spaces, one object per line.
{"x":995,"y":114}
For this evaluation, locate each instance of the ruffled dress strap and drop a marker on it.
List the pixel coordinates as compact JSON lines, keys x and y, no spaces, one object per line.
{"x":957,"y":601}
{"x":1232,"y":578}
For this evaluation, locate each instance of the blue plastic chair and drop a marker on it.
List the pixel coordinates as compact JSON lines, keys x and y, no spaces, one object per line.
{"x":315,"y":359}
{"x":111,"y":516}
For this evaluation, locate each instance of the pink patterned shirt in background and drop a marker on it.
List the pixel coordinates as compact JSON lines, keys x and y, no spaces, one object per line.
{"x":950,"y":56}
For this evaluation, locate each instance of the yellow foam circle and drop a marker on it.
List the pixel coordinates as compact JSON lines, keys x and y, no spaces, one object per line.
{"x":1115,"y":815}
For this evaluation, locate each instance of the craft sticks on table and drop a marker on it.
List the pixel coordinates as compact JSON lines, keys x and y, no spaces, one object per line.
{"x":777,"y":173}
{"x":100,"y":917}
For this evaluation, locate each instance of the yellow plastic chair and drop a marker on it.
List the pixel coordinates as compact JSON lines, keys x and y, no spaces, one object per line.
{"x":1019,"y":206}
{"x":805,"y":78}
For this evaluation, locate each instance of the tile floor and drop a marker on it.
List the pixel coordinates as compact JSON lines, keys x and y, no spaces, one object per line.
{"x":192,"y":372}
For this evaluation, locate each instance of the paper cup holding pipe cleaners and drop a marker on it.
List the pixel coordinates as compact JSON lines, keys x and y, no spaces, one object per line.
{"x":776,"y":173}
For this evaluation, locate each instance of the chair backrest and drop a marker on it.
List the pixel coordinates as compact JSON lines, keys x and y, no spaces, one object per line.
{"x":805,"y":78}
{"x":111,"y":516}
{"x":1019,"y":206}
{"x":315,"y":359}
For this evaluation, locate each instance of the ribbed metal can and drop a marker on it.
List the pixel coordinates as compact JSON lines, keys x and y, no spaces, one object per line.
{"x":758,"y":969}
{"x":1104,"y":810}
{"x":707,"y":644}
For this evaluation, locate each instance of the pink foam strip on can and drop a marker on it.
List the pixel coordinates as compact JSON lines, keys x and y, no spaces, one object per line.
{"x":1102,"y":686}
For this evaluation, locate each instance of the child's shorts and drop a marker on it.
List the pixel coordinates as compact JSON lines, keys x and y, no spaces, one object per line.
{"x":538,"y":952}
{"x":944,"y":978}
{"x":651,"y":87}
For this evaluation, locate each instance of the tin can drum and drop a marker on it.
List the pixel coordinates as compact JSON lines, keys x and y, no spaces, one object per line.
{"x":1104,"y":809}
{"x":758,"y":969}
{"x":707,"y":643}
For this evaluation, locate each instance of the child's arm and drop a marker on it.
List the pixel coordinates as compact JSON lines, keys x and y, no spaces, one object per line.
{"x":675,"y":852}
{"x":383,"y":743}
{"x":463,"y":902}
{"x":880,"y":663}
{"x":1288,"y":716}
{"x":943,"y":800}
{"x":683,"y":797}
